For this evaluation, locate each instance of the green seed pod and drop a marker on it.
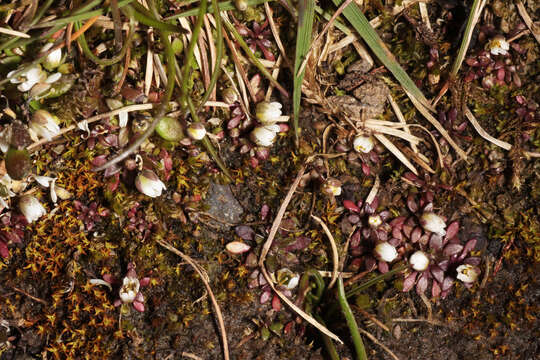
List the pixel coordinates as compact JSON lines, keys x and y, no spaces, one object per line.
{"x":170,"y":129}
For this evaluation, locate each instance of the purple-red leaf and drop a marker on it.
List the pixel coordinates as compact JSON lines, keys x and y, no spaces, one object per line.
{"x":422,"y":284}
{"x":437,"y":273}
{"x":452,"y":230}
{"x":435,"y":242}
{"x":245,"y":232}
{"x":435,"y":290}
{"x":416,"y":233}
{"x":383,"y":267}
{"x":351,"y":206}
{"x":452,"y":249}
{"x":265,"y":296}
{"x":447,"y":283}
{"x":4,"y":251}
{"x":409,"y":281}
{"x":411,"y":203}
{"x":474,"y":261}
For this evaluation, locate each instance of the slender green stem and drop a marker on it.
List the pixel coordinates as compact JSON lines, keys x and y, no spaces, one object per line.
{"x":108,"y":62}
{"x":252,"y":57}
{"x":145,"y":17}
{"x":171,"y":73}
{"x":219,"y":55}
{"x":206,"y":141}
{"x":375,"y":280}
{"x":351,"y":322}
{"x":188,"y":62}
{"x":328,"y":344}
{"x":223,"y":6}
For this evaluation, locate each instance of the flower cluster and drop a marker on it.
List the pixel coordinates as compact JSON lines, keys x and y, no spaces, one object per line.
{"x":11,"y":231}
{"x":90,"y":214}
{"x":432,"y":249}
{"x":269,"y":115}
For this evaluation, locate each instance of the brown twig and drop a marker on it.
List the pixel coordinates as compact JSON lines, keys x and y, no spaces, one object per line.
{"x":20,"y":291}
{"x":374,"y":339}
{"x":335,"y":255}
{"x":206,"y":281}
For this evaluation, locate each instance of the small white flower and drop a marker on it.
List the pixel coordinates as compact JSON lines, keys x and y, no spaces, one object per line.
{"x":498,"y":45}
{"x":264,"y":135}
{"x":44,"y":124}
{"x":467,"y":273}
{"x":31,"y":208}
{"x":419,"y":261}
{"x":54,"y":59}
{"x":374,"y":221}
{"x":129,"y":290}
{"x":28,"y":78}
{"x":332,"y":187}
{"x":363,"y":144}
{"x":149,"y":184}
{"x":53,"y":78}
{"x":196,"y":131}
{"x":287,"y":278}
{"x":385,"y":252}
{"x":5,"y":139}
{"x":44,"y":181}
{"x":268,"y":112}
{"x":433,"y":222}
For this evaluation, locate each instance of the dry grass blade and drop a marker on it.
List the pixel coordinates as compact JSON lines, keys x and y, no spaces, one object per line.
{"x":149,"y":64}
{"x":335,"y":256}
{"x":205,"y":280}
{"x":374,"y":339}
{"x":275,"y":33}
{"x":400,"y":117}
{"x":397,"y":153}
{"x":535,"y":30}
{"x":306,"y":14}
{"x":129,"y":108}
{"x":266,"y":248}
{"x":474,"y":15}
{"x":374,"y":190}
{"x":482,"y":132}
{"x":424,"y":111}
{"x":7,"y":31}
{"x":372,"y":39}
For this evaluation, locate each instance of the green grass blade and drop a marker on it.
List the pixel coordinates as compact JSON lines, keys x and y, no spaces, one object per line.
{"x":476,"y":9}
{"x":351,"y":322}
{"x":306,"y":14}
{"x":223,"y":6}
{"x":372,"y":39}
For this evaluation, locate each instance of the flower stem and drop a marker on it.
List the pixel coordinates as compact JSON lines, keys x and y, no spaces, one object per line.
{"x":351,"y":322}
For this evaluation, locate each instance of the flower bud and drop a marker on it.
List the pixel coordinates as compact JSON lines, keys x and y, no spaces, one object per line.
{"x":332,"y":187}
{"x":129,"y":290}
{"x":264,"y":135}
{"x":374,"y":221}
{"x":170,"y":129}
{"x":498,"y":45}
{"x":196,"y":131}
{"x":467,"y":273}
{"x":363,"y":144}
{"x":149,"y":184}
{"x":241,"y":5}
{"x":44,"y":124}
{"x":54,"y":59}
{"x":419,"y":261}
{"x":433,"y":222}
{"x":268,"y":112}
{"x":385,"y":252}
{"x":31,"y":208}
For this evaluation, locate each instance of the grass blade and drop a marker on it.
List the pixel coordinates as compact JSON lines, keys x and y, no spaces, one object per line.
{"x":351,"y":322}
{"x":306,"y":14}
{"x":370,"y":36}
{"x":223,"y":6}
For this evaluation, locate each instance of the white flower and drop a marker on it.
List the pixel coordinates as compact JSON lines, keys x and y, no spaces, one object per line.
{"x":31,"y":208}
{"x":332,"y":187}
{"x":130,"y":289}
{"x":28,"y":78}
{"x":196,"y":131}
{"x":264,"y":135}
{"x":114,"y":104}
{"x":44,"y":124}
{"x":268,"y":112}
{"x":374,"y":221}
{"x":467,"y":273}
{"x":498,"y":45}
{"x":385,"y":252}
{"x":363,"y":143}
{"x":54,"y":59}
{"x":433,"y":222}
{"x":419,"y":261}
{"x":287,"y":278}
{"x":149,"y":184}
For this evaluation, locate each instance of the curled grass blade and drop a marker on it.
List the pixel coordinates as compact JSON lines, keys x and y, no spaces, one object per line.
{"x":372,"y":39}
{"x":306,"y":14}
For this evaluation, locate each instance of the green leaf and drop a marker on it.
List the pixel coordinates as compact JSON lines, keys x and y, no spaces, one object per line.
{"x":372,"y":39}
{"x":306,"y":14}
